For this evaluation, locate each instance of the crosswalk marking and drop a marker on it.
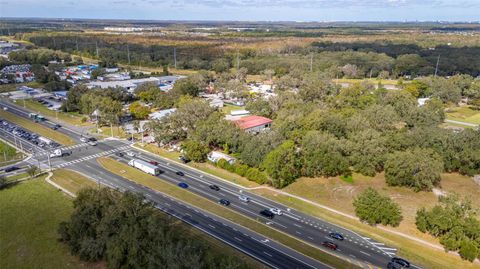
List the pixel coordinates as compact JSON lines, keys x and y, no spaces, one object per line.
{"x":105,"y":153}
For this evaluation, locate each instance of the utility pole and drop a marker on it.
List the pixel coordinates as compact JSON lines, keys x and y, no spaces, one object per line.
{"x":311,"y":62}
{"x":49,"y":162}
{"x":54,"y":43}
{"x":175,"y":57}
{"x":238,"y":61}
{"x":96,"y":48}
{"x":76,"y":42}
{"x":128,"y":53}
{"x":436,"y":67}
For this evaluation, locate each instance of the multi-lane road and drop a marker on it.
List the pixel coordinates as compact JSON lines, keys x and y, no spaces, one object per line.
{"x":355,"y":248}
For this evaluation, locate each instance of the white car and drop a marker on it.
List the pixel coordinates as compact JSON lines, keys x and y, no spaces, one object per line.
{"x":92,"y":143}
{"x":131,"y":154}
{"x":244,"y":198}
{"x":5,"y":108}
{"x":276,"y":211}
{"x":83,"y":139}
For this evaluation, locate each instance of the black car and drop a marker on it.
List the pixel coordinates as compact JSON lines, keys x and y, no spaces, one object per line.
{"x":336,"y":236}
{"x":180,"y":173}
{"x":224,"y":202}
{"x":183,"y":159}
{"x":392,"y":265}
{"x":214,"y":187}
{"x":119,"y":154}
{"x":401,"y":261}
{"x":11,"y":168}
{"x":266,"y":213}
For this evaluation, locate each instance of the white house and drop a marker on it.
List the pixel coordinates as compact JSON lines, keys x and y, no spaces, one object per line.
{"x":215,"y":156}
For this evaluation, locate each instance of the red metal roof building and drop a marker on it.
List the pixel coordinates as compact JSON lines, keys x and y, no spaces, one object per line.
{"x":253,"y":123}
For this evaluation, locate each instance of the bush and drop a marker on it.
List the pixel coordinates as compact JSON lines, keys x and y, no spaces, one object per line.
{"x":468,"y":250}
{"x":256,"y":175}
{"x":241,"y":169}
{"x":374,"y":208}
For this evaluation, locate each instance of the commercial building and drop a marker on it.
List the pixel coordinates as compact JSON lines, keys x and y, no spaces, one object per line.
{"x":253,"y":123}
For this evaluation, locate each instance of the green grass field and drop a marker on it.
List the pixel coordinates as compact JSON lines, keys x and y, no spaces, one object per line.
{"x":37,"y":128}
{"x":463,"y":114}
{"x":154,"y":183}
{"x":71,"y":118}
{"x":8,"y":154}
{"x":71,"y":180}
{"x":30,"y":214}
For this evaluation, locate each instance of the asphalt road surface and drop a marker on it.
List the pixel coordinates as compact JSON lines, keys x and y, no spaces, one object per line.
{"x":355,"y":248}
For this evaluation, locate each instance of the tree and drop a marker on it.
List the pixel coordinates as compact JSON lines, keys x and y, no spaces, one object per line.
{"x":350,"y":71}
{"x":374,"y":208}
{"x":220,"y":65}
{"x":367,"y":152}
{"x":282,"y":164}
{"x":409,"y":64}
{"x":322,"y":155}
{"x":32,"y":171}
{"x":189,"y":86}
{"x":255,"y":147}
{"x":417,"y":168}
{"x":139,"y":111}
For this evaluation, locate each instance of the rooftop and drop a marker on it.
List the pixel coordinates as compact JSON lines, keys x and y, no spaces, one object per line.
{"x":251,"y":121}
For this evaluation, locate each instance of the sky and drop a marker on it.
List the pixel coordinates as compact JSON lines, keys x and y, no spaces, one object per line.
{"x":248,"y":10}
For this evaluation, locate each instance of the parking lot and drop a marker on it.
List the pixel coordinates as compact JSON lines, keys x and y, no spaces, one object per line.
{"x":50,"y":102}
{"x":31,"y":137}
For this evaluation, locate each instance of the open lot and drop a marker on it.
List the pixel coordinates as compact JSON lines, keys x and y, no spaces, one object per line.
{"x":463,"y":114}
{"x":30,"y":214}
{"x":338,"y":194}
{"x":8,"y":154}
{"x":37,"y":128}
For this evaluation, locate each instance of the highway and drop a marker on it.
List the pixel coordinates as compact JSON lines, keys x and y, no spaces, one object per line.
{"x":355,"y":248}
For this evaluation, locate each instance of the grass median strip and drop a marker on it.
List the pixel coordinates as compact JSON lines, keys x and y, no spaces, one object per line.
{"x":70,"y":180}
{"x":71,"y":118}
{"x":37,"y":128}
{"x":154,"y":183}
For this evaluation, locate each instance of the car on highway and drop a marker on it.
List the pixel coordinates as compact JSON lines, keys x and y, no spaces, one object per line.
{"x":180,"y":173}
{"x":83,"y":139}
{"x":336,"y":236}
{"x":214,"y":187}
{"x":153,"y":162}
{"x":267,"y":213}
{"x":401,"y":262}
{"x":56,"y":126}
{"x":119,"y":154}
{"x":183,"y":159}
{"x":392,"y":265}
{"x":244,"y":198}
{"x":276,"y":211}
{"x":11,"y":169}
{"x":224,"y":202}
{"x":131,"y":154}
{"x":92,"y":143}
{"x":5,"y":108}
{"x":183,"y":185}
{"x":330,"y":245}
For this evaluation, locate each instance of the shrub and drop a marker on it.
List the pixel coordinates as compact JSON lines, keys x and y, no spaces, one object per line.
{"x":374,"y":208}
{"x":468,"y":250}
{"x":241,"y":169}
{"x":256,"y":175}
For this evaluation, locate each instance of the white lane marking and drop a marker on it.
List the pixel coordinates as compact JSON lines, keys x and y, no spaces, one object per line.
{"x":365,"y":253}
{"x":238,"y":239}
{"x":266,"y":253}
{"x":211,"y":226}
{"x":297,"y":225}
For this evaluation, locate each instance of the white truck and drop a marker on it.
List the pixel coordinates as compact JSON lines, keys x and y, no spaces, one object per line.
{"x":144,"y":166}
{"x":45,"y":140}
{"x":56,"y":153}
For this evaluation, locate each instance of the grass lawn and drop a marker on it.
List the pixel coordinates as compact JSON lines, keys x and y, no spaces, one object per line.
{"x":338,"y":194}
{"x":13,"y":86}
{"x":71,"y":118}
{"x":227,"y":108}
{"x":205,"y":167}
{"x":37,"y":128}
{"x":154,"y":183}
{"x":8,"y":154}
{"x":71,"y":180}
{"x":30,"y":214}
{"x":464,"y":114}
{"x":106,"y":131}
{"x":17,"y":177}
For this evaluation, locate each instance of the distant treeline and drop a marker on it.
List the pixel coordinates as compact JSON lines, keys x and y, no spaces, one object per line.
{"x":465,"y":60}
{"x":353,"y":60}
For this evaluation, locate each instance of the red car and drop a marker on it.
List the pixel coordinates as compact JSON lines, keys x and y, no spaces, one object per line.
{"x":153,"y":162}
{"x":330,"y":245}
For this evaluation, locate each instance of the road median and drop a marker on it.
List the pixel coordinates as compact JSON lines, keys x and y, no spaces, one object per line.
{"x":154,"y":183}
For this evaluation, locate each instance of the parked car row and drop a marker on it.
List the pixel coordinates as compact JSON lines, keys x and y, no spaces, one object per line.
{"x":27,"y":135}
{"x":48,"y":103}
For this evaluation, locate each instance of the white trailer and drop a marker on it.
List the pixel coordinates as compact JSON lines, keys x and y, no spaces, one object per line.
{"x":144,"y":166}
{"x":45,"y":140}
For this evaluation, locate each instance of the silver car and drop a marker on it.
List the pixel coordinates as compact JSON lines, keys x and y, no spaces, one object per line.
{"x":244,"y":198}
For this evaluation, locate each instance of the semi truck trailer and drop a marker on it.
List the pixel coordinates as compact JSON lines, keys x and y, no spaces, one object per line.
{"x":144,"y":166}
